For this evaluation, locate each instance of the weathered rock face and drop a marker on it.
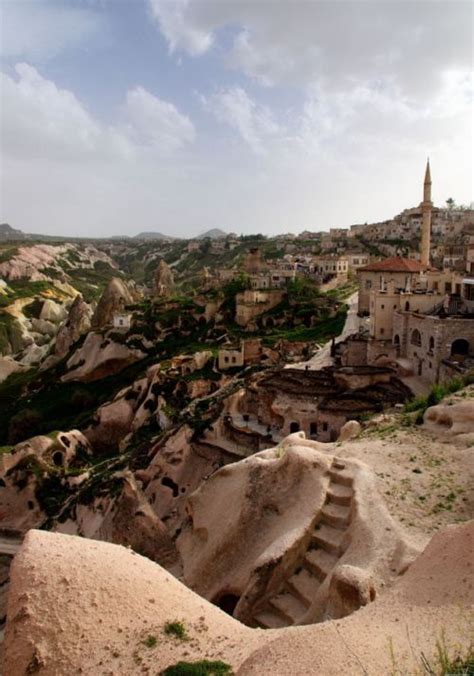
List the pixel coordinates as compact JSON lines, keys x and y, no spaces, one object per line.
{"x":116,"y":295}
{"x":290,"y":536}
{"x":77,"y":323}
{"x":164,"y":281}
{"x":21,"y":493}
{"x":452,"y":419}
{"x":99,"y":357}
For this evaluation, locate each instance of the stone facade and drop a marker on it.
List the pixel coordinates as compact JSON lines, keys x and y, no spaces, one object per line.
{"x":251,"y":303}
{"x":427,"y":340}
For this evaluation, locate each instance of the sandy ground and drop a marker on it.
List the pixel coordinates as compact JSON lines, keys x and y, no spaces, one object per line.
{"x":427,"y":483}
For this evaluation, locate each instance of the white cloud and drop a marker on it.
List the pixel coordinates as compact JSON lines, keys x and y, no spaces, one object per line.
{"x":332,"y":43}
{"x":39,"y":119}
{"x":156,"y":123}
{"x":171,"y":17}
{"x":40,"y":29}
{"x":254,"y":123}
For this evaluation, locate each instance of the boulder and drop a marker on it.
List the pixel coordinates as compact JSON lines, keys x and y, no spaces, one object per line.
{"x":350,"y":430}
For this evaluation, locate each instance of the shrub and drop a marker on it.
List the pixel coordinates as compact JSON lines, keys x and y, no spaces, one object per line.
{"x":150,"y":641}
{"x":177,"y":629}
{"x":201,"y":668}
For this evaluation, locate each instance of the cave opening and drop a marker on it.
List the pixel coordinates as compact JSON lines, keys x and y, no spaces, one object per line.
{"x":227,"y":603}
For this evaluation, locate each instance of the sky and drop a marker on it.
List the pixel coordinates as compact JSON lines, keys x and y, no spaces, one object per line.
{"x":268,"y":116}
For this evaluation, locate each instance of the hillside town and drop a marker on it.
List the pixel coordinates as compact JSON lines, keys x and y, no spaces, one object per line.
{"x":143,"y":382}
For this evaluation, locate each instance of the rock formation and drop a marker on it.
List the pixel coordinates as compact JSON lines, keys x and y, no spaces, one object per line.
{"x":304,"y":524}
{"x":99,"y":357}
{"x":452,"y":419}
{"x":83,"y":606}
{"x":77,"y":323}
{"x":115,"y":297}
{"x":164,"y":281}
{"x":21,"y":496}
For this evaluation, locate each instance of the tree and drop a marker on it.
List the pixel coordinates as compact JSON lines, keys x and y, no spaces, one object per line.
{"x":450,"y":203}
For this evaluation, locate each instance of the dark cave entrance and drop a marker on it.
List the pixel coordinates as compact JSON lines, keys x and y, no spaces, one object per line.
{"x":227,"y":603}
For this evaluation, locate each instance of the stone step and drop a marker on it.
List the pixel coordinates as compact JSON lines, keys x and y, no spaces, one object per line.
{"x":320,"y":563}
{"x":329,"y":539}
{"x":269,"y":620}
{"x":341,"y":477}
{"x":304,"y":585}
{"x":289,"y":606}
{"x":338,"y":516}
{"x":337,"y":463}
{"x":341,"y":495}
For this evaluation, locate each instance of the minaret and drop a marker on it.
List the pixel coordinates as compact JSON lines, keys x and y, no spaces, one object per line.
{"x":426,"y":224}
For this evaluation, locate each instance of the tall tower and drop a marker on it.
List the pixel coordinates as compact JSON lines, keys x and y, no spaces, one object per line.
{"x":426,"y":224}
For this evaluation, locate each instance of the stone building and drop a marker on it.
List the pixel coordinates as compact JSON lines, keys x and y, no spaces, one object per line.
{"x":320,"y":402}
{"x":402,"y":273}
{"x":251,"y":303}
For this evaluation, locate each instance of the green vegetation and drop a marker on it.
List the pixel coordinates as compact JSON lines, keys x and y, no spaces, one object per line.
{"x":201,"y":668}
{"x":176,"y":629}
{"x":150,"y":641}
{"x":7,"y":253}
{"x":438,"y":392}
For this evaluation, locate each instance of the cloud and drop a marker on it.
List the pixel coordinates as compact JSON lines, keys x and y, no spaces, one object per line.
{"x":330,"y":43}
{"x":254,"y":123}
{"x":156,"y":123}
{"x":39,"y":119}
{"x":41,"y":29}
{"x":171,"y":18}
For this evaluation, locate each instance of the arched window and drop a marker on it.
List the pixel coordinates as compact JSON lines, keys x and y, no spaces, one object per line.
{"x":294,"y":427}
{"x":431,"y":347}
{"x":396,"y":339}
{"x":407,"y":306}
{"x":416,"y":337}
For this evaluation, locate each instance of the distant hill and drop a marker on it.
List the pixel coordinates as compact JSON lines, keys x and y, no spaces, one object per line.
{"x":7,"y":232}
{"x":152,"y":235}
{"x":214,"y":233}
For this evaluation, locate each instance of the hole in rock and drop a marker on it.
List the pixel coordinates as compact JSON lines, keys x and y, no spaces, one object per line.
{"x":58,"y":458}
{"x":169,"y":483}
{"x":227,"y":603}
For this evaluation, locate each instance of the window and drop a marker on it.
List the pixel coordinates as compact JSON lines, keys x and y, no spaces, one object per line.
{"x":407,"y":306}
{"x":325,"y":427}
{"x":431,"y":344}
{"x":368,"y":284}
{"x":382,"y":306}
{"x":233,"y":360}
{"x":226,"y":360}
{"x":416,"y":337}
{"x":448,"y":287}
{"x":382,"y":331}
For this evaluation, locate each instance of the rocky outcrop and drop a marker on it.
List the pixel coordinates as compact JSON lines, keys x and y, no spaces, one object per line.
{"x":114,"y":299}
{"x":452,"y":419}
{"x":107,"y":614}
{"x":25,"y":469}
{"x":300,"y":518}
{"x":164,"y":281}
{"x":77,"y":324}
{"x":99,"y":357}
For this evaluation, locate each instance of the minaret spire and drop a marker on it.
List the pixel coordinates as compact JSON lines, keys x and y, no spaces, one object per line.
{"x":427,"y":183}
{"x":426,"y":223}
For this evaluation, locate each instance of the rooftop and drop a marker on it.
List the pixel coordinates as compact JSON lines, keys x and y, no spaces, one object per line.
{"x":394,"y":264}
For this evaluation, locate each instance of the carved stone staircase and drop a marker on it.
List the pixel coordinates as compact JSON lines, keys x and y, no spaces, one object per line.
{"x":324,"y":550}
